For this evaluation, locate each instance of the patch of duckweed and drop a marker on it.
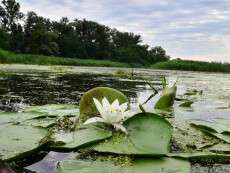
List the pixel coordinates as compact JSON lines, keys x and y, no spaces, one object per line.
{"x":188,"y":139}
{"x":116,"y":160}
{"x":65,"y":123}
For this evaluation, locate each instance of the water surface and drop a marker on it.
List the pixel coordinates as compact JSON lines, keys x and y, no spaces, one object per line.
{"x":22,"y":85}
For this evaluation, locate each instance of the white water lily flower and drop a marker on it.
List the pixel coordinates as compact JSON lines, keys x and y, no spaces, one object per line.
{"x":114,"y":114}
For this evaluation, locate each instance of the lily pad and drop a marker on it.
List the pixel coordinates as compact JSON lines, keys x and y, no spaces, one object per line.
{"x":10,"y":117}
{"x":220,"y":148}
{"x":186,"y":104}
{"x":44,"y":122}
{"x":148,"y":134}
{"x":163,"y":165}
{"x":87,"y":107}
{"x":215,"y":125}
{"x":215,"y":128}
{"x":55,"y":109}
{"x":200,"y":155}
{"x":17,"y":141}
{"x":188,"y":139}
{"x":167,"y":98}
{"x":81,"y":137}
{"x":223,"y":136}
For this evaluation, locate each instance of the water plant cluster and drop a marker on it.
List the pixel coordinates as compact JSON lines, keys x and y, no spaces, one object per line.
{"x":111,"y":137}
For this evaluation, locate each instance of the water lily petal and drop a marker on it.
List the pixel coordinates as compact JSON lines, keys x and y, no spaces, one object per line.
{"x":105,"y":103}
{"x":115,"y":104}
{"x":94,"y":120}
{"x":113,"y":117}
{"x":98,"y":106}
{"x":120,"y":127}
{"x":124,"y":107}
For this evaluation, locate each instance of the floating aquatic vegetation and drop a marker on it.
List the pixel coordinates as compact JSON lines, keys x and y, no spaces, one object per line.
{"x":17,"y":141}
{"x":44,"y":122}
{"x":218,"y":128}
{"x":55,"y":110}
{"x":82,"y":136}
{"x":186,"y":104}
{"x":189,"y":139}
{"x":12,"y":117}
{"x":193,"y":92}
{"x":216,"y":125}
{"x":220,"y":148}
{"x":148,"y":134}
{"x":162,"y":165}
{"x":205,"y":155}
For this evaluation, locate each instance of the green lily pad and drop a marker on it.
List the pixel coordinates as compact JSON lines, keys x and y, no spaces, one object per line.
{"x":220,"y":148}
{"x":188,"y":139}
{"x":148,"y":134}
{"x":167,"y":98}
{"x":186,"y":104}
{"x":81,"y":137}
{"x":223,"y":121}
{"x":18,"y":141}
{"x":200,"y":155}
{"x":218,"y":126}
{"x":10,"y":117}
{"x":44,"y":122}
{"x":55,"y":109}
{"x":87,"y":106}
{"x":223,"y":136}
{"x":163,"y":165}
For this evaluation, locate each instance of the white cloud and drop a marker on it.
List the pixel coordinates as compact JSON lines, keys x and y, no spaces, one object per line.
{"x":196,"y":29}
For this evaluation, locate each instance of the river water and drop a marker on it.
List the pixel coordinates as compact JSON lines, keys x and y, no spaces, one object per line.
{"x":22,"y":85}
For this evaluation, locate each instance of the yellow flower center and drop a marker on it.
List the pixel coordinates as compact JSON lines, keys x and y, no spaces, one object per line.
{"x":113,"y":110}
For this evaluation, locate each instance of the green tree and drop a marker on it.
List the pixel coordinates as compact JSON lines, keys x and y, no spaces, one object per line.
{"x":39,"y":37}
{"x":4,"y":40}
{"x":10,"y":14}
{"x":157,"y":54}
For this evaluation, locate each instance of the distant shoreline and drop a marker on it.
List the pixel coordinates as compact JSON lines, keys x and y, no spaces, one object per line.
{"x":7,"y":57}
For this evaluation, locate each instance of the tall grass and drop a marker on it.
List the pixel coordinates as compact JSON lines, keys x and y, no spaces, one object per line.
{"x":7,"y":57}
{"x":193,"y":66}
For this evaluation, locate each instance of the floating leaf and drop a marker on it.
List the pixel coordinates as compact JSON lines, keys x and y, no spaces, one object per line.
{"x":188,"y":139}
{"x":220,"y":148}
{"x":193,"y":92}
{"x":10,"y":117}
{"x":219,"y":126}
{"x":55,"y":109}
{"x":223,"y":136}
{"x":200,"y":155}
{"x":87,"y":107}
{"x":81,"y":137}
{"x":17,"y":141}
{"x":167,"y":98}
{"x":44,"y":122}
{"x":148,"y":134}
{"x":223,"y":121}
{"x":186,"y":104}
{"x":163,"y":165}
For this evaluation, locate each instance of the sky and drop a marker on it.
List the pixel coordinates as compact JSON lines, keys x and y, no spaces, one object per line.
{"x":186,"y":29}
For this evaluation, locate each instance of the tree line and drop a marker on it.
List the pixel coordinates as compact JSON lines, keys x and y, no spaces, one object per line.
{"x":34,"y":34}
